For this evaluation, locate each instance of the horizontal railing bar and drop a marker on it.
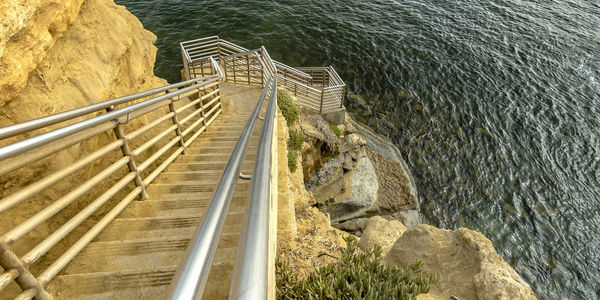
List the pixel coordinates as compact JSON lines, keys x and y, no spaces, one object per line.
{"x":200,"y":99}
{"x":232,"y":45}
{"x":139,"y":150}
{"x":247,"y":52}
{"x":158,"y":154}
{"x":212,"y":109}
{"x":202,"y":46}
{"x":46,"y":213}
{"x":27,"y":294}
{"x":149,"y":126}
{"x":45,"y":138}
{"x":29,"y":158}
{"x":7,"y":277}
{"x":19,"y":128}
{"x":193,"y":126}
{"x":190,"y":116}
{"x":213,"y":37}
{"x":42,"y":248}
{"x":34,"y":188}
{"x":299,"y":83}
{"x":162,"y":166}
{"x":64,"y":259}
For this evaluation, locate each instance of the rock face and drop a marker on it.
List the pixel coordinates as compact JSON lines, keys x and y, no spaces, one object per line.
{"x":465,"y":260}
{"x":360,"y":175}
{"x":56,"y":56}
{"x":381,"y":231}
{"x":363,"y":193}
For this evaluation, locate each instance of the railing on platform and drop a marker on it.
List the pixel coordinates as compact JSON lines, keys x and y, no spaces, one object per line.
{"x":132,"y":153}
{"x":318,"y":88}
{"x":251,"y":267}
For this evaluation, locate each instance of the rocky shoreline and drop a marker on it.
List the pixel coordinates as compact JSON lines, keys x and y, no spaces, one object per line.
{"x":358,"y":183}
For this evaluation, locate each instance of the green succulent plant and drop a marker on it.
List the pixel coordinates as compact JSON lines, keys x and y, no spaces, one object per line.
{"x":357,"y":275}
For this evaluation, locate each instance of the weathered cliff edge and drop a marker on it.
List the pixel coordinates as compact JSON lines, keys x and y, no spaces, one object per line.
{"x":359,"y":183}
{"x":56,"y":56}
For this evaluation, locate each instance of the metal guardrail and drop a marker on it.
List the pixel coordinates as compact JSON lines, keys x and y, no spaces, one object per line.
{"x":178,"y":114}
{"x":318,"y":88}
{"x":250,"y":279}
{"x":196,"y":101}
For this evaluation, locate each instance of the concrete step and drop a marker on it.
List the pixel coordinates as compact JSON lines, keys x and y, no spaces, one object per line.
{"x":142,"y":283}
{"x":142,"y":209}
{"x":191,"y":195}
{"x":164,"y":226}
{"x":212,"y":157}
{"x":168,"y":188}
{"x":214,"y":166}
{"x":132,"y":254}
{"x":200,"y":143}
{"x":210,"y":149}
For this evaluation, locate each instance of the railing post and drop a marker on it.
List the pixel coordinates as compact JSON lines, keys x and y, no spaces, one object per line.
{"x":343,"y":96}
{"x":201,"y":104}
{"x":185,"y":63}
{"x":233,"y":64}
{"x":248,"y":66}
{"x":120,"y":134}
{"x":10,"y":261}
{"x":321,"y":108}
{"x":219,"y":49}
{"x":176,"y":122}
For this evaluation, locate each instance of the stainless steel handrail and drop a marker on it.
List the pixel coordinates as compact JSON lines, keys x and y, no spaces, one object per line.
{"x":22,"y":146}
{"x":19,"y":128}
{"x":251,"y":266}
{"x":191,"y":276}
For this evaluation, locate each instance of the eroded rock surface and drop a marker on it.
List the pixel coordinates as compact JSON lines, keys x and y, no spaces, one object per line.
{"x":382,"y":232}
{"x":465,"y":260}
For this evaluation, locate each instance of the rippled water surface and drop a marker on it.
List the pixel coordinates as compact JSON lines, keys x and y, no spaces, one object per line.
{"x":494,"y":104}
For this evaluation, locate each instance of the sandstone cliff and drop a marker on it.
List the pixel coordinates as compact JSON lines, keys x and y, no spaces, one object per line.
{"x":465,"y":260}
{"x":56,"y":56}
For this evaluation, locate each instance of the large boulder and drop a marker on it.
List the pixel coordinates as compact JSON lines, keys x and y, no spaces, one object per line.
{"x":382,"y":232}
{"x":466,"y":262}
{"x":363,"y":193}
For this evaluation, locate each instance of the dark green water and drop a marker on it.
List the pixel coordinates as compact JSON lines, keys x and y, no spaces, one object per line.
{"x":494,"y":104}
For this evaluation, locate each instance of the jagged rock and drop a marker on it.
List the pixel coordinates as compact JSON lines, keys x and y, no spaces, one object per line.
{"x":380,"y":231}
{"x":352,"y":142}
{"x":349,"y":163}
{"x":363,"y":193}
{"x":410,"y":218}
{"x":353,"y":225}
{"x":465,"y":260}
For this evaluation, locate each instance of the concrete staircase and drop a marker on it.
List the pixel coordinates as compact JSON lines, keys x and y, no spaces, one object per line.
{"x":136,"y":256}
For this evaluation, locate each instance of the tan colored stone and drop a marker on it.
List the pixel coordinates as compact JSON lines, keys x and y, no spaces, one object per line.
{"x":465,"y":260}
{"x":381,"y":231}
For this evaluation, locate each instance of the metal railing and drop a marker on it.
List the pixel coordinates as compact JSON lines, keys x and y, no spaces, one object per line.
{"x":132,"y":154}
{"x":250,"y":273}
{"x":318,"y":88}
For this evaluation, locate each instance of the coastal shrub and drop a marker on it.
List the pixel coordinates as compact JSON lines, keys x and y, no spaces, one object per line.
{"x":336,"y":130}
{"x":357,"y":275}
{"x":292,"y":161}
{"x":296,"y":139}
{"x":287,"y":107}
